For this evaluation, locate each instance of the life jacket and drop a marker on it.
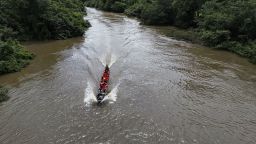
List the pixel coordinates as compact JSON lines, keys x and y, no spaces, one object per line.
{"x":105,"y":77}
{"x":104,"y":80}
{"x":103,"y":86}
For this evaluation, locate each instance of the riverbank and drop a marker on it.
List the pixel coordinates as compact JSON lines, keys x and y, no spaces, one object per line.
{"x":47,"y":54}
{"x":3,"y":94}
{"x":24,"y":20}
{"x":13,"y":56}
{"x":227,"y":25}
{"x":167,"y":91}
{"x":181,"y":34}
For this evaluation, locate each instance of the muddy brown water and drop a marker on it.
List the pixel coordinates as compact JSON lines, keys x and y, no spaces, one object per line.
{"x":167,"y":91}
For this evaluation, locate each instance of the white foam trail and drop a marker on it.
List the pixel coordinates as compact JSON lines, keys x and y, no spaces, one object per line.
{"x":103,"y":60}
{"x":89,"y":95}
{"x":109,"y":59}
{"x":112,"y":96}
{"x":113,"y":60}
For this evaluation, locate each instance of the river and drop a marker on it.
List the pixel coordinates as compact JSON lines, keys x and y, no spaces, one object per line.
{"x":163,"y":90}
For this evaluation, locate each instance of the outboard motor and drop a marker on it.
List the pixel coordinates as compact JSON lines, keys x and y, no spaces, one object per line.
{"x":100,"y":97}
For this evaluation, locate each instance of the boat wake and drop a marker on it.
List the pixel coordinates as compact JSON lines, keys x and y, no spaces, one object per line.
{"x":108,"y":59}
{"x":92,"y":84}
{"x":90,"y":96}
{"x":112,"y":96}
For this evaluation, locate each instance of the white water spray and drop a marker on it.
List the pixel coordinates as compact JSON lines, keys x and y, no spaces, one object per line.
{"x":89,"y":95}
{"x":108,"y":59}
{"x":112,"y":96}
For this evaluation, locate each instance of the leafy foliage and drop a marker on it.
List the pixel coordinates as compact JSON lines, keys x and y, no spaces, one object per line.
{"x":158,"y":12}
{"x":13,"y":57}
{"x":36,"y":20}
{"x":3,"y":94}
{"x":135,"y":9}
{"x":118,"y":6}
{"x":42,"y":19}
{"x":110,"y":5}
{"x":229,"y":25}
{"x":185,"y":12}
{"x":236,"y":19}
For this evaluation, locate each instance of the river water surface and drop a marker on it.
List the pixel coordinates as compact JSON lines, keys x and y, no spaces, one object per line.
{"x":163,"y":90}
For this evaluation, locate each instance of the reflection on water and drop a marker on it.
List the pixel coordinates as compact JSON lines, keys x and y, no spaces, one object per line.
{"x":167,"y":91}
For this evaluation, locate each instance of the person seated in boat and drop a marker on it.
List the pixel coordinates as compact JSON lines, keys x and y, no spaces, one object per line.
{"x":105,"y":76}
{"x":103,"y":87}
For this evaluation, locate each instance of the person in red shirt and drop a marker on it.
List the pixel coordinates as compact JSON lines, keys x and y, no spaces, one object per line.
{"x":104,"y":80}
{"x":103,"y":86}
{"x":105,"y":76}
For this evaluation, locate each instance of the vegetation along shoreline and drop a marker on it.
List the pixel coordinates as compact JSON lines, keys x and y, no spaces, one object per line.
{"x":226,"y":25}
{"x":26,"y":20}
